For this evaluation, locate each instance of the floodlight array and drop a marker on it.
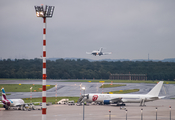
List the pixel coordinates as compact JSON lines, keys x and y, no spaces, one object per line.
{"x":39,"y":11}
{"x":44,"y":12}
{"x":48,"y":12}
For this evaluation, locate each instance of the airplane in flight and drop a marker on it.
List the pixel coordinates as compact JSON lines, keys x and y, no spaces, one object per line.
{"x":121,"y":99}
{"x":7,"y":103}
{"x":98,"y":52}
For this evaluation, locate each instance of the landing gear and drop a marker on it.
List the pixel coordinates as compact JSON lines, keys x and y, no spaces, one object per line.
{"x":142,"y":102}
{"x":123,"y":104}
{"x":6,"y":107}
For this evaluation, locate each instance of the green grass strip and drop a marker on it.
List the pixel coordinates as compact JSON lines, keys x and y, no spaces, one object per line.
{"x":6,"y":94}
{"x":24,"y":87}
{"x":111,"y":85}
{"x":123,"y":91}
{"x":1,"y":105}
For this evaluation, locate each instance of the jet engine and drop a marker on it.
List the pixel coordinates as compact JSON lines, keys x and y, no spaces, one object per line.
{"x":107,"y":102}
{"x":113,"y":102}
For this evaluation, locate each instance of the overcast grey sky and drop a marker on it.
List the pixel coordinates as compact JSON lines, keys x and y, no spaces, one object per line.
{"x":130,"y":29}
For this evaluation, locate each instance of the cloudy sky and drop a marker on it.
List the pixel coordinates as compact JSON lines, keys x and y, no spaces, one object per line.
{"x":130,"y":29}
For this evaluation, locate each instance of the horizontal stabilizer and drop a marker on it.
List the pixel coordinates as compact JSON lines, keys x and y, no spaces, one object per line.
{"x":161,"y":97}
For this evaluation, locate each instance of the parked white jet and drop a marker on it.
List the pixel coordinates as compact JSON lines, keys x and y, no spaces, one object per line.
{"x":98,"y":52}
{"x":7,"y":103}
{"x":120,"y":99}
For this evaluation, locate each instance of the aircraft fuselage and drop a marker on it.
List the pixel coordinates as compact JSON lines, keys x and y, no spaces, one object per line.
{"x":129,"y":98}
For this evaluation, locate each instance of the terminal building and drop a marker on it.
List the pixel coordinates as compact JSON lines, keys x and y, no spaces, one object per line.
{"x":128,"y":77}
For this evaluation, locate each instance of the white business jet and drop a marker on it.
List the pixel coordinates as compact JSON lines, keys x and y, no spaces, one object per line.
{"x":99,"y":52}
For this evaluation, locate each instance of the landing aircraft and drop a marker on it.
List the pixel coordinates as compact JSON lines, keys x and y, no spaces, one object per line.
{"x":121,"y":99}
{"x":98,"y":52}
{"x":7,"y":103}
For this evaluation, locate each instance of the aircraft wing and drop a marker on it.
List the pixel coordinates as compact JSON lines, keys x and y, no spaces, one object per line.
{"x":107,"y":53}
{"x":116,"y":100}
{"x":18,"y":104}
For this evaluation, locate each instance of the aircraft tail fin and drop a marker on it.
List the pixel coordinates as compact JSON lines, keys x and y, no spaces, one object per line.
{"x":156,"y":90}
{"x":3,"y":94}
{"x":4,"y":99}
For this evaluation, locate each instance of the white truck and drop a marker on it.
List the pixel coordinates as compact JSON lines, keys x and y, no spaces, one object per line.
{"x":63,"y":101}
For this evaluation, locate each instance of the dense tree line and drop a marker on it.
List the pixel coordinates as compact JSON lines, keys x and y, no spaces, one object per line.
{"x":84,"y":69}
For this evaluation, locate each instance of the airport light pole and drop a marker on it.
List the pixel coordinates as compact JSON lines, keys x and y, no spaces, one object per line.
{"x":80,"y":89}
{"x":109,"y":115}
{"x":126,"y":114}
{"x":141,"y":114}
{"x":102,"y":88}
{"x":56,"y":94}
{"x":30,"y":95}
{"x":46,"y":12}
{"x":83,"y":101}
{"x":156,"y":113}
{"x":170,"y":112}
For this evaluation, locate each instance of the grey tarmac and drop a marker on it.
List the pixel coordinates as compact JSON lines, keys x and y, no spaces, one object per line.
{"x":97,"y":112}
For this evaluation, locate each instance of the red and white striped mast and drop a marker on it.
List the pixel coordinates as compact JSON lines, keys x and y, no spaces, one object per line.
{"x":41,"y":12}
{"x":44,"y":71}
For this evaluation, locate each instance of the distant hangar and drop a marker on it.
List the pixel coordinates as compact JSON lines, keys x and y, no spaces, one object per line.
{"x":128,"y":77}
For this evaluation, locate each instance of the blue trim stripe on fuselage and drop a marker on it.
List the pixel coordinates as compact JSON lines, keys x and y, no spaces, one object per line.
{"x":10,"y":100}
